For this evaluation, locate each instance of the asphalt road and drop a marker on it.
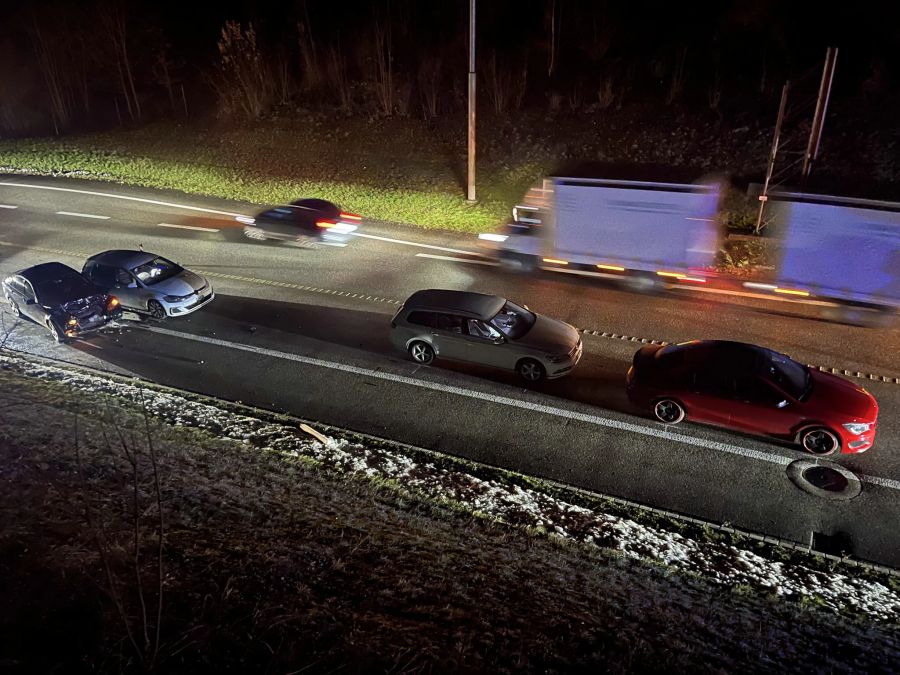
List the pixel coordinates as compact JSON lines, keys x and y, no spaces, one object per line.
{"x":305,"y":331}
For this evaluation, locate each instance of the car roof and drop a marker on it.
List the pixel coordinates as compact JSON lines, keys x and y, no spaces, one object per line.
{"x":477,"y":305}
{"x":122,"y":258}
{"x":45,"y":271}
{"x":725,"y":354}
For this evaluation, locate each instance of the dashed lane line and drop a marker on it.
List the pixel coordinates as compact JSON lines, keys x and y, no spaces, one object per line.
{"x":189,"y":227}
{"x":82,"y":215}
{"x":872,"y":377}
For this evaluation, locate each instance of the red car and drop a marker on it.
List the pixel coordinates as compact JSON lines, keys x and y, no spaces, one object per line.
{"x":753,"y":389}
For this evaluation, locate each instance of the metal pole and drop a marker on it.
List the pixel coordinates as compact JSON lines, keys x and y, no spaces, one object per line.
{"x":470,"y":183}
{"x":763,"y":198}
{"x":815,"y":133}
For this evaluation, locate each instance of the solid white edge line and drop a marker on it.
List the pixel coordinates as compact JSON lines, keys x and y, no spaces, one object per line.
{"x":8,"y":206}
{"x":125,"y":197}
{"x":82,"y":215}
{"x":189,"y":227}
{"x":470,"y":393}
{"x":597,"y":420}
{"x":413,"y":243}
{"x":431,"y":256}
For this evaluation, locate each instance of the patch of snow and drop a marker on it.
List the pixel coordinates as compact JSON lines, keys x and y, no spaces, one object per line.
{"x":718,"y":562}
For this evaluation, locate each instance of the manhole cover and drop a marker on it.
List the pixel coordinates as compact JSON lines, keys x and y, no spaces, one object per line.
{"x":826,"y":478}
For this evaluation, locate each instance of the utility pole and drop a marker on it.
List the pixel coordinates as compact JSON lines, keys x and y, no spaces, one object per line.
{"x":470,"y":183}
{"x":764,"y":197}
{"x":815,"y":133}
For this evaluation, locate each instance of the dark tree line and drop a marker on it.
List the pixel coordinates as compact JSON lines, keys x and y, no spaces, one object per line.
{"x":105,"y":62}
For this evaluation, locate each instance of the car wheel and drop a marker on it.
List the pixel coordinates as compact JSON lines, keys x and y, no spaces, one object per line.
{"x":668,"y":411}
{"x":530,"y":370}
{"x":820,"y":441}
{"x":156,"y":310}
{"x":421,"y":352}
{"x":57,"y":332}
{"x":14,"y":307}
{"x":254,"y":233}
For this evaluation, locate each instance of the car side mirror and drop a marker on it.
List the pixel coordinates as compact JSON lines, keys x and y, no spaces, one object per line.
{"x":30,"y":301}
{"x":132,"y":284}
{"x":499,"y":340}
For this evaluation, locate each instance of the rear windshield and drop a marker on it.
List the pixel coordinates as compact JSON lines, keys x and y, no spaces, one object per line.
{"x":72,"y":286}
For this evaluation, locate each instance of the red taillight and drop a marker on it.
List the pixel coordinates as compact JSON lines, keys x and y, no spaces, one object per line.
{"x":350,"y":216}
{"x":325,"y":224}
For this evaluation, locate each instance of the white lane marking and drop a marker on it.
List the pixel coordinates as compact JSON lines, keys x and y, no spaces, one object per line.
{"x":413,"y":243}
{"x":125,"y":197}
{"x":91,"y":345}
{"x":8,"y":206}
{"x":597,"y":420}
{"x":189,"y":227}
{"x":82,"y":215}
{"x":492,"y":398}
{"x":489,"y":263}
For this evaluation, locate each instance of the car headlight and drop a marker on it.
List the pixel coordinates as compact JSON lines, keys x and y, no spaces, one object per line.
{"x":558,"y":359}
{"x":857,"y":428}
{"x":176,"y":298}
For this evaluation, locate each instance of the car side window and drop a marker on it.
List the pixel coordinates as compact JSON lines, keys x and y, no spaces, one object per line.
{"x":480,"y":329}
{"x":103,"y":275}
{"x":450,"y":323}
{"x":27,"y":291}
{"x":123,"y":278}
{"x":712,"y":383}
{"x":754,"y":390}
{"x":421,"y":319}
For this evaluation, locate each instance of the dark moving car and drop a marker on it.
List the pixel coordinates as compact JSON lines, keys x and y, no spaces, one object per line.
{"x":61,"y":299}
{"x":307,"y":222}
{"x":753,"y":389}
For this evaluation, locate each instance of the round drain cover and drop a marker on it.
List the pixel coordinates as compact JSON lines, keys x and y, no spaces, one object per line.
{"x":824,"y":479}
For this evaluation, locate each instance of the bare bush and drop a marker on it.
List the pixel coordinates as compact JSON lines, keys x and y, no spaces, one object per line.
{"x":336,"y":68}
{"x":505,"y":86}
{"x":243,"y":79}
{"x":384,"y":67}
{"x":606,"y":93}
{"x":51,"y":46}
{"x":677,"y":76}
{"x":430,"y":70}
{"x":114,"y":19}
{"x":312,"y":71}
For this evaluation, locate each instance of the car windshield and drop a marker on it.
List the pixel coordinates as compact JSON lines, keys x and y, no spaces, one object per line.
{"x":54,"y":292}
{"x":791,"y":376}
{"x":513,"y":321}
{"x":158,"y":269}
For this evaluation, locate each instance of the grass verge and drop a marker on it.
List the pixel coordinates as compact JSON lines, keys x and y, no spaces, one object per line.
{"x":271,"y":563}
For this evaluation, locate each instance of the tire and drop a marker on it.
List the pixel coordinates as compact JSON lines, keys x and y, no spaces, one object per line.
{"x":421,"y":352}
{"x":57,"y":332}
{"x":668,"y":411}
{"x":14,"y":307}
{"x":820,"y":441}
{"x":254,"y":233}
{"x":518,"y":262}
{"x":156,"y":310}
{"x":530,"y":370}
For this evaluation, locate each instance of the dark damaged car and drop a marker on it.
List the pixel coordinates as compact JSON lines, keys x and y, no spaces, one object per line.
{"x":61,"y":299}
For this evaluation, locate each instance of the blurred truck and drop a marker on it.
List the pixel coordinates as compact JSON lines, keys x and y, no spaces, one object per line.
{"x":644,"y":224}
{"x":837,"y":249}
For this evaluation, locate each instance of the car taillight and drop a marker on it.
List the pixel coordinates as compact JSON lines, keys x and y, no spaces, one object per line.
{"x":325,"y":224}
{"x":350,"y":216}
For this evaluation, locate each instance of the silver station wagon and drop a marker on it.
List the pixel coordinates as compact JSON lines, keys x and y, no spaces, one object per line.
{"x":486,"y":330}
